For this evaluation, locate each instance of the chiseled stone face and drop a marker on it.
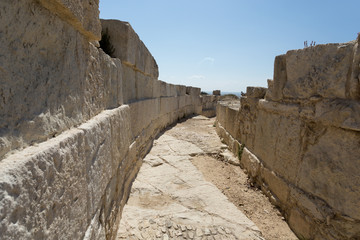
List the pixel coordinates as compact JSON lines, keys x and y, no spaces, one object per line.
{"x":330,"y":169}
{"x":82,"y":15}
{"x":129,"y":48}
{"x":52,"y":78}
{"x":318,"y":71}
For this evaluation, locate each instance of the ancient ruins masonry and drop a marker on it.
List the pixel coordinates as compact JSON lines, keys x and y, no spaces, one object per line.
{"x":302,"y":139}
{"x":74,"y":122}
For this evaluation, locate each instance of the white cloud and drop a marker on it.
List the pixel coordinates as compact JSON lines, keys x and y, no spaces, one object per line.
{"x":196,"y":77}
{"x":207,"y":60}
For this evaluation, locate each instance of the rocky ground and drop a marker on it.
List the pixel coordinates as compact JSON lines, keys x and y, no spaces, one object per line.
{"x":186,"y":189}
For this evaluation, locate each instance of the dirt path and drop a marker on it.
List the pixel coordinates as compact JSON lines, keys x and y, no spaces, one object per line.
{"x":233,"y":182}
{"x":180,"y":192}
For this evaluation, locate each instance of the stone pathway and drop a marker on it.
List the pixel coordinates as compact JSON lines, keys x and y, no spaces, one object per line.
{"x":170,"y":199}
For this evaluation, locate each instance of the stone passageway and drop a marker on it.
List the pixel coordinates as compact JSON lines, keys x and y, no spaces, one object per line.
{"x":170,"y":198}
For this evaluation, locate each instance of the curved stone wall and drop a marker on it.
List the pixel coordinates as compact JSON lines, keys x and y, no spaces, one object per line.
{"x":74,"y":122}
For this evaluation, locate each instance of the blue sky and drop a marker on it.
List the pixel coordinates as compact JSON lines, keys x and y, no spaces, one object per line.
{"x":231,"y":44}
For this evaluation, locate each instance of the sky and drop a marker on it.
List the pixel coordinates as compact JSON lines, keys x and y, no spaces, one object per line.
{"x":231,"y":44}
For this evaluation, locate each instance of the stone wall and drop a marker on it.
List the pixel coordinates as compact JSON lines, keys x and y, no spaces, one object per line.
{"x":299,"y":140}
{"x":209,"y":103}
{"x":74,"y":122}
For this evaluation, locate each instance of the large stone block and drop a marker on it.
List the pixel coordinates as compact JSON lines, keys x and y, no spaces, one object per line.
{"x":45,"y":87}
{"x":182,"y":101}
{"x":129,"y":84}
{"x":168,"y":105}
{"x":217,"y":92}
{"x":318,"y":71}
{"x":144,"y":86}
{"x":330,"y":166}
{"x":129,"y":48}
{"x":277,"y":186}
{"x":44,"y":191}
{"x":251,"y":163}
{"x":103,"y":85}
{"x":173,"y":90}
{"x":156,"y":88}
{"x":255,"y":92}
{"x":278,"y":143}
{"x":221,"y":113}
{"x":299,"y":225}
{"x":196,"y":100}
{"x":276,"y":86}
{"x":311,"y":206}
{"x":193,"y":91}
{"x":81,"y":15}
{"x":164,"y":89}
{"x":143,"y":112}
{"x":340,"y":113}
{"x":78,"y":159}
{"x":123,"y":38}
{"x":111,"y":75}
{"x":180,"y":90}
{"x":232,"y":122}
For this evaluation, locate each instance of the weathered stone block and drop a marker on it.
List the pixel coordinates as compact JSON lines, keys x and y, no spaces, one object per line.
{"x":124,"y":40}
{"x":217,"y":92}
{"x":180,"y":90}
{"x":182,"y":101}
{"x":129,"y":48}
{"x":208,"y":113}
{"x":340,"y":113}
{"x":250,"y":162}
{"x":221,"y":113}
{"x":196,"y":100}
{"x":278,"y":143}
{"x":276,"y":185}
{"x":308,"y":205}
{"x":329,"y":168}
{"x":193,"y":91}
{"x":45,"y":88}
{"x":144,"y":112}
{"x":111,"y":77}
{"x":156,"y":88}
{"x":39,"y":188}
{"x":299,"y":225}
{"x":81,"y":15}
{"x":318,"y":71}
{"x":255,"y":92}
{"x":276,"y":86}
{"x":172,"y":90}
{"x":168,"y":105}
{"x":164,"y":89}
{"x":129,"y":84}
{"x":83,"y":159}
{"x":144,"y":86}
{"x":188,"y":99}
{"x":232,"y":123}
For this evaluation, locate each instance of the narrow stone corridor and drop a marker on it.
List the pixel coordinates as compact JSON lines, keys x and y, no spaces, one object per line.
{"x":170,"y":198}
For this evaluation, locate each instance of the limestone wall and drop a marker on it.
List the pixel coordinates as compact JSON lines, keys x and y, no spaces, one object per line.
{"x":74,"y":122}
{"x":299,"y":140}
{"x":209,"y":103}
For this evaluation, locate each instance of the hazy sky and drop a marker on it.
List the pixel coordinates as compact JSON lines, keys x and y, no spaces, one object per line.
{"x":231,"y":44}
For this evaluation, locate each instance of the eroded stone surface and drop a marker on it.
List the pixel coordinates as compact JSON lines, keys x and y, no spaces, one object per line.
{"x":170,"y":199}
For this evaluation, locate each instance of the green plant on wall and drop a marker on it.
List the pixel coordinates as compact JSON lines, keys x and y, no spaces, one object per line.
{"x":105,"y":43}
{"x":241,"y":150}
